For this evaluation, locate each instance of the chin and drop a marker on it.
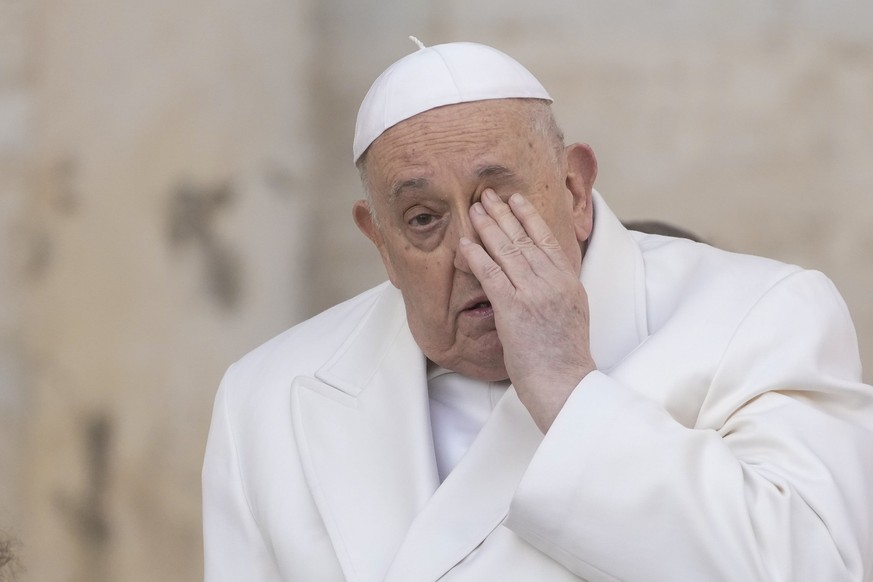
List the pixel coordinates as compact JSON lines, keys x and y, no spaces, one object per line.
{"x":480,"y":358}
{"x":486,"y":365}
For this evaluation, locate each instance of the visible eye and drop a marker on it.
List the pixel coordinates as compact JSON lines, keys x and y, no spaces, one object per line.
{"x":421,"y":220}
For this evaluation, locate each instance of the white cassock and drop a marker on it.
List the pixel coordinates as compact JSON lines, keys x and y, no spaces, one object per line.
{"x":459,"y":408}
{"x":725,"y":436}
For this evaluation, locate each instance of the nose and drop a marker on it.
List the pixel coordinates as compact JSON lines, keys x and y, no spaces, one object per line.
{"x":463,"y":227}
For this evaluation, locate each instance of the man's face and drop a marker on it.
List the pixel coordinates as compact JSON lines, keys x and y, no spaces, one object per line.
{"x":424,"y":174}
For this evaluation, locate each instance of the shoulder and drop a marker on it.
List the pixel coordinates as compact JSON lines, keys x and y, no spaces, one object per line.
{"x":692,"y":261}
{"x":304,"y":348}
{"x":684,"y":275}
{"x":711,"y":293}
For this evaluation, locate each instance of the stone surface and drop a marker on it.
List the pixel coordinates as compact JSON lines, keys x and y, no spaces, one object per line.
{"x":166,"y":233}
{"x":15,"y":105}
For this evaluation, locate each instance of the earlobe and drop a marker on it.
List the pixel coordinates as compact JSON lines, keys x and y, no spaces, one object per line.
{"x":581,"y":173}
{"x":367,"y":224}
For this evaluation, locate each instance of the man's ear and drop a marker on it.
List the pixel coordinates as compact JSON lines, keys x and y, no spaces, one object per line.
{"x":367,"y":224}
{"x":581,"y":173}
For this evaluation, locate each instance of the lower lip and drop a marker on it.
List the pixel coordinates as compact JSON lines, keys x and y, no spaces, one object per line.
{"x":480,"y":311}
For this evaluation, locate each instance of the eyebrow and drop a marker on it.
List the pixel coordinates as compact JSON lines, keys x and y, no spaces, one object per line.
{"x":411,"y":184}
{"x":495,"y":171}
{"x":490,"y":171}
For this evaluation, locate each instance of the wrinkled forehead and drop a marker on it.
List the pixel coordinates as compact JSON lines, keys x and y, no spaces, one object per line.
{"x":464,"y":126}
{"x":456,"y":144}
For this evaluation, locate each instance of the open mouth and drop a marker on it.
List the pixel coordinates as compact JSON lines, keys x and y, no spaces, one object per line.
{"x":479,"y":307}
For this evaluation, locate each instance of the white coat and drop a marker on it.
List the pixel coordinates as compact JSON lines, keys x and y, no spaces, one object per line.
{"x":726,"y":436}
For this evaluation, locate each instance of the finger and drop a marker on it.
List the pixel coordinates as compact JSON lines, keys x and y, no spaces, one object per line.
{"x":503,"y":251}
{"x":509,"y":224}
{"x":541,"y":259}
{"x":497,"y":286}
{"x":538,"y":230}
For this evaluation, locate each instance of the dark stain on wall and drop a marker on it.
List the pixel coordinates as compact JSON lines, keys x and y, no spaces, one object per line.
{"x":193,"y":212}
{"x":37,"y":259}
{"x":86,"y":514}
{"x":10,"y":565}
{"x":66,"y":197}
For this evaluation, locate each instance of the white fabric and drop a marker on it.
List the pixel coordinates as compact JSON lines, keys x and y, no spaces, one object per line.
{"x":444,"y":74}
{"x":459,"y":408}
{"x":727,"y":436}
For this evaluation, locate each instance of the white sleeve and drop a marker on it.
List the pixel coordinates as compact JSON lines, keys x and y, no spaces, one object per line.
{"x":234,"y":548}
{"x":774,"y":481}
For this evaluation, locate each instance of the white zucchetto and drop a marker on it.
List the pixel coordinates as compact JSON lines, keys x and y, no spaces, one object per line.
{"x":444,"y":74}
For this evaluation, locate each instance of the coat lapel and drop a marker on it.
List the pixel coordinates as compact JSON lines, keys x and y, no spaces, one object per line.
{"x":473,"y":500}
{"x":363,"y":432}
{"x":613,"y":273}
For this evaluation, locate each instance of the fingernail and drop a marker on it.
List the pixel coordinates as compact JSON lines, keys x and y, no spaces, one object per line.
{"x":517,"y":198}
{"x":477,"y":208}
{"x":491,"y":195}
{"x":464,"y":241}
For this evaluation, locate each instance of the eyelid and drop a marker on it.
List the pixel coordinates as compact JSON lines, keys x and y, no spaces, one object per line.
{"x":416,"y":210}
{"x":420,"y":214}
{"x":410,"y":215}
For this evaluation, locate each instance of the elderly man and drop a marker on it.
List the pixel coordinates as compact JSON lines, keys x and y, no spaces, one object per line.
{"x":538,"y":393}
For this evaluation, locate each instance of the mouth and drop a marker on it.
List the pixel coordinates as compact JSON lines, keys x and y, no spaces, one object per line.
{"x":479,"y":307}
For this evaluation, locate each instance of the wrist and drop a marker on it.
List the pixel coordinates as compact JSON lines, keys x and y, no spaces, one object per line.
{"x":545,"y":397}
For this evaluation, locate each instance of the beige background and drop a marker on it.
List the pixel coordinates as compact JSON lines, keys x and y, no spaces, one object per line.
{"x":176,"y":184}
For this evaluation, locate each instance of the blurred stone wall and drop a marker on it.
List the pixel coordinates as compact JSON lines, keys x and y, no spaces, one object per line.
{"x":15,"y":108}
{"x":164,"y":235}
{"x":176,"y":187}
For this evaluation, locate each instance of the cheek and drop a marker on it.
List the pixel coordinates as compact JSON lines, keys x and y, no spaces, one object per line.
{"x":556,"y":214}
{"x":424,"y":279}
{"x":422,"y":282}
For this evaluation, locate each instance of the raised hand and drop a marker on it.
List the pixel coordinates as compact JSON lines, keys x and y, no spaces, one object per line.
{"x":540,"y":307}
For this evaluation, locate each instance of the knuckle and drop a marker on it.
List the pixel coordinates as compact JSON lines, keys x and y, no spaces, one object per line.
{"x":492,"y":271}
{"x":548,"y":241}
{"x":508,"y":250}
{"x":523,"y":240}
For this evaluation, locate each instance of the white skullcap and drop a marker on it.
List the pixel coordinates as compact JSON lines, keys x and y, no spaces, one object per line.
{"x":444,"y":74}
